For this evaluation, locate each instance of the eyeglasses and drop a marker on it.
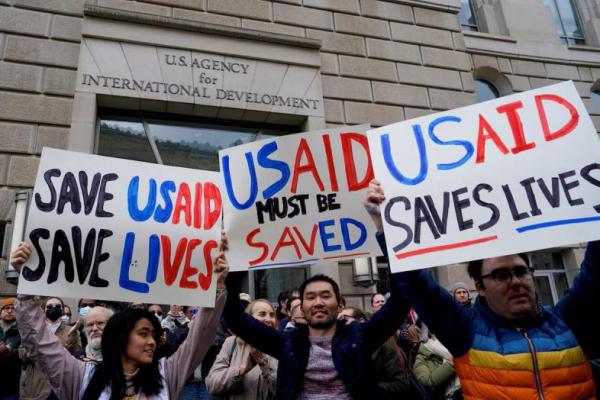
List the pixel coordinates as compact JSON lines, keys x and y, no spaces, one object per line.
{"x":505,"y":275}
{"x":159,"y":313}
{"x":99,"y":324}
{"x":83,"y":305}
{"x":51,"y":306}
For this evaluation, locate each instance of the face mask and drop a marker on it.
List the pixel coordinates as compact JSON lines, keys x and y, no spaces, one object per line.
{"x":66,"y":319}
{"x":53,"y":313}
{"x":158,"y":317}
{"x":84,"y":311}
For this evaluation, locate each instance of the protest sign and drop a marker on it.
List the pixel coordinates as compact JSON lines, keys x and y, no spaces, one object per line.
{"x":298,"y":199}
{"x":515,"y":174}
{"x":114,"y":229}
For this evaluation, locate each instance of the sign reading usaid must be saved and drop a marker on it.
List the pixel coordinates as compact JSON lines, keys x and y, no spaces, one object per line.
{"x":184,"y":76}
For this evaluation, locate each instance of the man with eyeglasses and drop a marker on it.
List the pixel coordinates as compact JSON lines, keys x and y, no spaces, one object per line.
{"x":10,"y":340}
{"x":93,"y":326}
{"x":507,"y":346}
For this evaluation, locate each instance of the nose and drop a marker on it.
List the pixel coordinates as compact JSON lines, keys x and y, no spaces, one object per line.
{"x":152,"y":341}
{"x":319,"y":300}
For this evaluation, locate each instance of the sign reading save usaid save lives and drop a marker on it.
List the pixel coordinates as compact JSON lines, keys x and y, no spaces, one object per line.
{"x":510,"y":175}
{"x":114,"y":229}
{"x":298,"y":199}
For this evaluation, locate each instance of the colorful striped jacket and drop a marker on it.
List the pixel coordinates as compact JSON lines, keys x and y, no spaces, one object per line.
{"x":547,"y":359}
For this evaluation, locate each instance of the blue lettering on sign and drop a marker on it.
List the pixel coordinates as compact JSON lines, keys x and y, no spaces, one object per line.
{"x":326,"y":236}
{"x":132,"y":200}
{"x":346,"y":233}
{"x":264,"y":161}
{"x":389,"y":162}
{"x":229,"y":183}
{"x":467,"y":145}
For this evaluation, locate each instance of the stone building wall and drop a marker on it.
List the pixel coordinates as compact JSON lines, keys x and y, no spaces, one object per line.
{"x":381,"y":62}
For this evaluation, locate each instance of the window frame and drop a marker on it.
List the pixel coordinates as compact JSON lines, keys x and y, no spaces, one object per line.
{"x":470,"y":27}
{"x":564,"y":37}
{"x":145,"y":116}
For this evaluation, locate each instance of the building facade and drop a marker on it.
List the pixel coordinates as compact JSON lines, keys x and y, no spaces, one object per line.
{"x":173,"y":81}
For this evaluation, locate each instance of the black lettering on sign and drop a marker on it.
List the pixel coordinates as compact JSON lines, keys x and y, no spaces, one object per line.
{"x":567,"y":186}
{"x":105,"y":196}
{"x":459,"y":206}
{"x":440,"y":223}
{"x":388,"y":218}
{"x":585,"y":174}
{"x":34,"y":237}
{"x":516,"y":215}
{"x":551,"y":195}
{"x":48,"y":206}
{"x":527,"y":184}
{"x":495,"y":217}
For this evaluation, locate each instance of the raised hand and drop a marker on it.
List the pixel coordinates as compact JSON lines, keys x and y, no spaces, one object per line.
{"x":375,"y":196}
{"x":20,"y":256}
{"x":221,"y":269}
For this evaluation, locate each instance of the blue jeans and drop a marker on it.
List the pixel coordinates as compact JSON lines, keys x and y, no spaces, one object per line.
{"x":195,"y":391}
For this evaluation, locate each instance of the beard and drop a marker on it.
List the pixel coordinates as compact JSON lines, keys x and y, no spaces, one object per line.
{"x":322,"y":324}
{"x":93,"y":350}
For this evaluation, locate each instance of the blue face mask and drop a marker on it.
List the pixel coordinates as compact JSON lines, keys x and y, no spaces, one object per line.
{"x":66,"y":319}
{"x":84,"y":311}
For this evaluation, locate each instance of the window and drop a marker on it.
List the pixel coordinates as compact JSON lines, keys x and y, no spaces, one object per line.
{"x":550,"y":277}
{"x":193,"y":144}
{"x":190,"y":144}
{"x":485,"y":91}
{"x":567,"y":21}
{"x":468,"y":20}
{"x":269,"y":283}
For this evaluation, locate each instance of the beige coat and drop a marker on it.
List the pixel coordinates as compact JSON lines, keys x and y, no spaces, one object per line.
{"x":224,"y":378}
{"x":34,"y":381}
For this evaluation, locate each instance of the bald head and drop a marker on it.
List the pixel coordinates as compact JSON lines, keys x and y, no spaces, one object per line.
{"x":95,"y":322}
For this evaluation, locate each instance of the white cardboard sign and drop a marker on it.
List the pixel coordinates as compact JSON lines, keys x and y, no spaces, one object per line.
{"x":515,"y":174}
{"x":115,"y":229}
{"x":298,"y":199}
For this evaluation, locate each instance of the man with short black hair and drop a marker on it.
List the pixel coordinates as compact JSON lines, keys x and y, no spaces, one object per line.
{"x":507,"y":345}
{"x":327,"y":358}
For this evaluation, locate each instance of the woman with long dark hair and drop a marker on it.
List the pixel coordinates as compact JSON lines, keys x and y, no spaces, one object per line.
{"x":130,"y":368}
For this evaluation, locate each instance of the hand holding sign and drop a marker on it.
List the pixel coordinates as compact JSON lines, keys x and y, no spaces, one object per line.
{"x":295,"y":200}
{"x":375,"y":197}
{"x":489,"y":179}
{"x":122,"y":230}
{"x":20,"y":256}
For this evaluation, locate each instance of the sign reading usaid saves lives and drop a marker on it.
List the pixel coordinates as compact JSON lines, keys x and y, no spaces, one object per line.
{"x":510,"y":175}
{"x":115,"y":229}
{"x":298,"y":199}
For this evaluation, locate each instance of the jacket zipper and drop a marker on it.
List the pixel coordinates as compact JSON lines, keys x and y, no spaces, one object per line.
{"x":536,"y":367}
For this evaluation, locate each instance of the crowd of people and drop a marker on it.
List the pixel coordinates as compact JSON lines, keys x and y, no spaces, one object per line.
{"x":419,"y":341}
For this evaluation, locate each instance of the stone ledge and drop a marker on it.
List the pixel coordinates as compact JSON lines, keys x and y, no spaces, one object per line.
{"x":432,"y":4}
{"x":489,"y":36}
{"x":197,"y":26}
